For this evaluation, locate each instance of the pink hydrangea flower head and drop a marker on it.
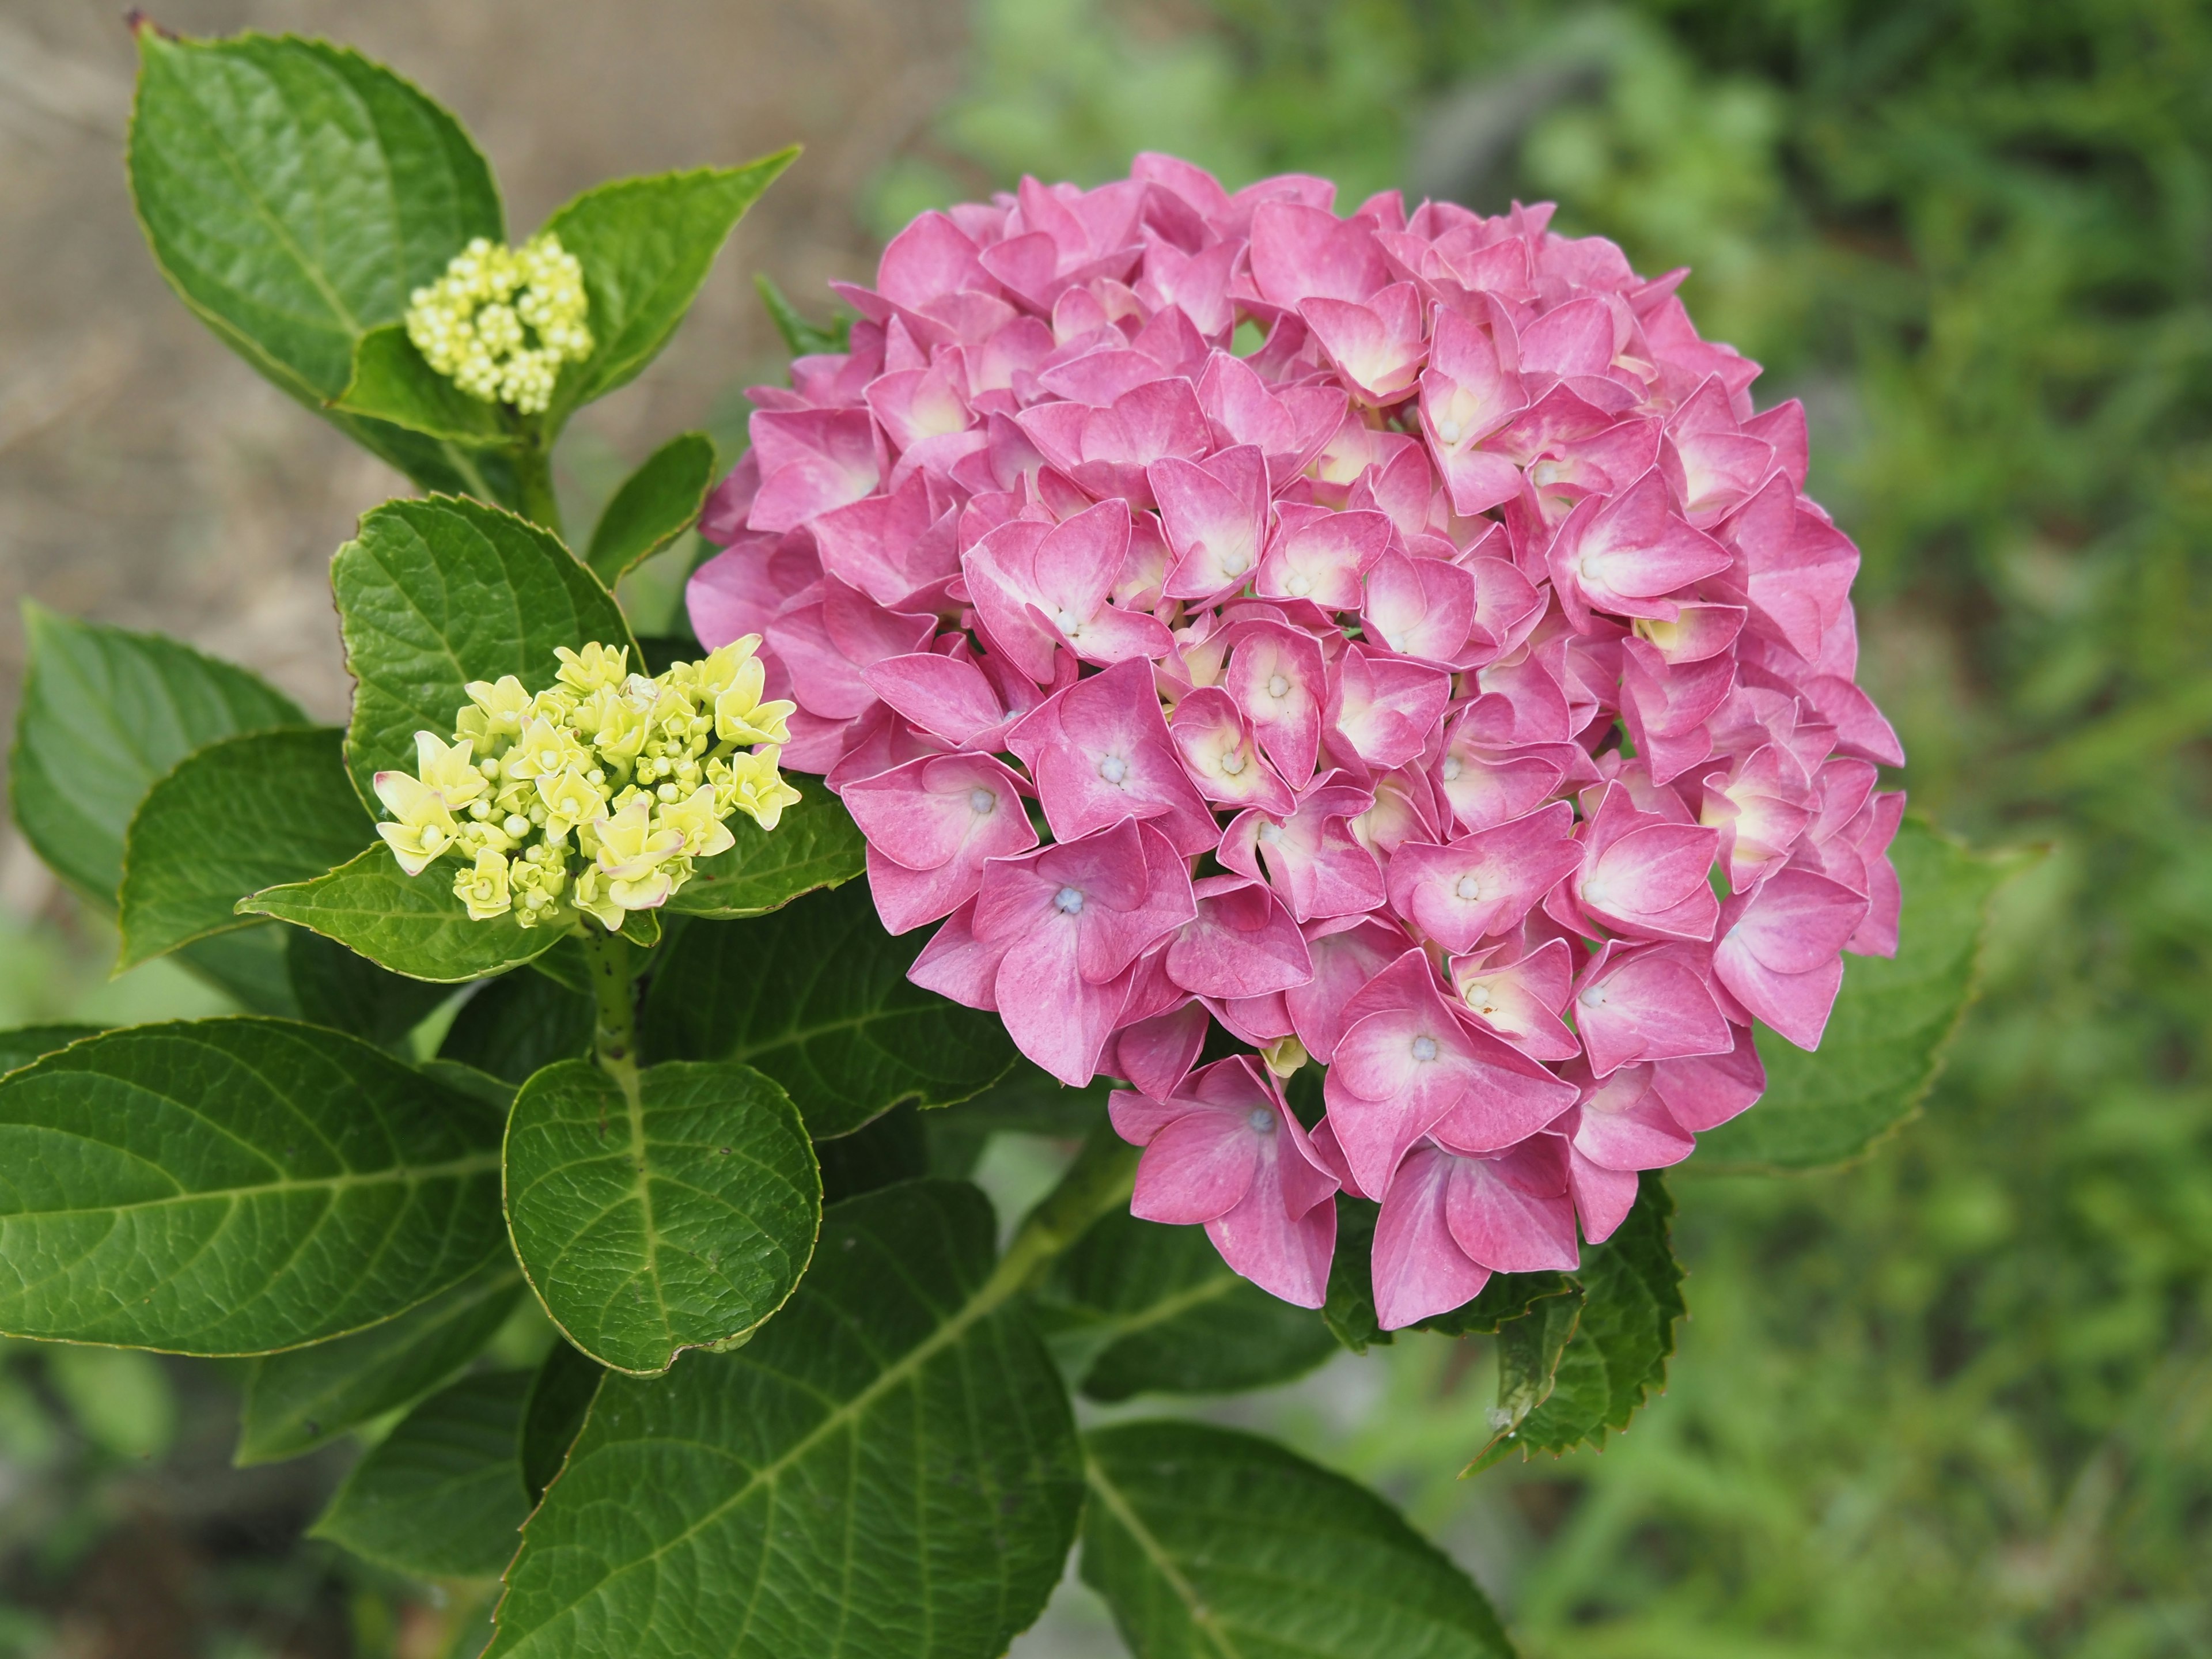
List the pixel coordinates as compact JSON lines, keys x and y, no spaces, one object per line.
{"x":1458,"y":689}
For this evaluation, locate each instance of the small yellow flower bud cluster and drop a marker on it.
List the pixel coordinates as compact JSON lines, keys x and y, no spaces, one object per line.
{"x":593,"y":796}
{"x":501,"y":322}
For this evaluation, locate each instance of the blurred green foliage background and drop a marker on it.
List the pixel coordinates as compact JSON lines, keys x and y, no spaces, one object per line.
{"x":1957,"y":1400}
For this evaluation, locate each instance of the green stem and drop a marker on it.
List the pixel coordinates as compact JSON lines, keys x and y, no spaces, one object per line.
{"x":1100,"y":1179}
{"x":533,"y":480}
{"x":614,"y":986}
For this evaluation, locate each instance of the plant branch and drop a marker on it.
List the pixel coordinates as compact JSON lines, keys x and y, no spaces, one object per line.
{"x":614,"y":987}
{"x":533,"y":479}
{"x":1100,"y":1179}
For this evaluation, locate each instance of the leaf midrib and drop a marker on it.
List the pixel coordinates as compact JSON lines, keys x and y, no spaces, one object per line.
{"x":403,"y":1174}
{"x":1117,"y":1504}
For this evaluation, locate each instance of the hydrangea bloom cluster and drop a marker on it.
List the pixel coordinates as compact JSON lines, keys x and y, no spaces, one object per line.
{"x":592,"y":796}
{"x":501,"y":322}
{"x":1456,"y":689}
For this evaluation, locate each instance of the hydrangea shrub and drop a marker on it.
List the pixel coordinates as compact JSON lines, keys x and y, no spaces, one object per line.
{"x":1345,"y":722}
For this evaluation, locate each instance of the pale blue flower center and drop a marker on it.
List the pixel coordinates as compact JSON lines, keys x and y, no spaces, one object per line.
{"x":1262,"y":1121}
{"x":1425,"y":1049}
{"x":1068,"y":901}
{"x":981,"y":801}
{"x":1113,"y":769}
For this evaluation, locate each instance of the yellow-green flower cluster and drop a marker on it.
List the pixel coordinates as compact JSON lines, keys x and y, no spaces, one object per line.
{"x":594,"y":796}
{"x":501,"y":322}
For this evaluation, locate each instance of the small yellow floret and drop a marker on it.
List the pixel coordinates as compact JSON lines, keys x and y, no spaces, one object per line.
{"x":483,"y":887}
{"x":501,"y":322}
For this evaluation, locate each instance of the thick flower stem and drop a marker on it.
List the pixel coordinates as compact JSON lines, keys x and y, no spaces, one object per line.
{"x":1100,"y":1179}
{"x":533,"y":482}
{"x":614,"y":962}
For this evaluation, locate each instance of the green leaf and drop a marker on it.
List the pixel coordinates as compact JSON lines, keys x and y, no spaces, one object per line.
{"x":892,"y":1149}
{"x":412,"y":925}
{"x":817,"y":996}
{"x":560,"y":1396}
{"x":889,"y":1468}
{"x":27,"y":1042}
{"x":241,"y":814}
{"x":235,"y":1187}
{"x":1617,"y":1356}
{"x":655,"y":505}
{"x":441,"y":1496}
{"x":391,"y":381}
{"x":646,"y":245}
{"x":679,"y":1218}
{"x":802,"y":337}
{"x":333,"y":987}
{"x":294,"y":195}
{"x":816,"y":844}
{"x":433,"y":594}
{"x":302,"y":1398}
{"x":520,"y":1023}
{"x":1884,"y":1042}
{"x":105,"y":714}
{"x":251,"y":966}
{"x":1212,"y":1544}
{"x":1529,"y":1350}
{"x":1142,"y":1308}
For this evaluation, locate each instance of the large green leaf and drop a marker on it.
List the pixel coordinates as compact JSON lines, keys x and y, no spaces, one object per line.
{"x":26,"y":1043}
{"x":294,"y":194}
{"x":817,"y":996}
{"x":241,"y":814}
{"x":655,"y":505}
{"x":1136,"y":1307}
{"x":392,"y":381}
{"x":520,"y":1023}
{"x":235,"y":1186}
{"x":298,"y":1399}
{"x":560,"y":1396}
{"x":433,"y":594}
{"x":336,"y":987}
{"x":441,"y":1496}
{"x":679,"y":1218}
{"x":1616,"y":1354}
{"x":816,"y":844}
{"x":412,"y":925}
{"x":105,"y":714}
{"x":801,"y":338}
{"x":1885,"y":1041}
{"x":889,"y":1468}
{"x":1212,"y":1544}
{"x":646,"y":245}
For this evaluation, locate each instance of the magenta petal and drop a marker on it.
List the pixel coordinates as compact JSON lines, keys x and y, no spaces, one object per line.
{"x":1157,"y":1054}
{"x":1196,"y":1167}
{"x":1419,"y":1269}
{"x":1285,"y":1255}
{"x":1603,"y":1198}
{"x":1512,"y":1215}
{"x":1624,"y":1124}
{"x":1704,"y":1092}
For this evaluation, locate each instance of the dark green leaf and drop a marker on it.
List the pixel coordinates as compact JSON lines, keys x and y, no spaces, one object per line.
{"x":889,"y":1468}
{"x":567,"y":964}
{"x":1029,"y":1100}
{"x":646,"y":245}
{"x":391,"y":381}
{"x":300,"y":1399}
{"x":441,"y":1496}
{"x":892,"y":1149}
{"x":27,"y":1042}
{"x":294,"y":194}
{"x":1140,"y":1308}
{"x":816,"y":844}
{"x":433,"y":594}
{"x":817,"y":996}
{"x":680,"y":1219}
{"x":518,"y":1024}
{"x":334,"y":987}
{"x":1632,"y":1295}
{"x":241,"y":814}
{"x":1212,"y":1544}
{"x":107,"y":712}
{"x":479,"y":1086}
{"x":801,"y":338}
{"x":560,"y":1396}
{"x":412,"y":925}
{"x":655,"y":505}
{"x":1885,"y":1041}
{"x":235,"y":1186}
{"x":1529,"y":1350}
{"x":251,"y":966}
